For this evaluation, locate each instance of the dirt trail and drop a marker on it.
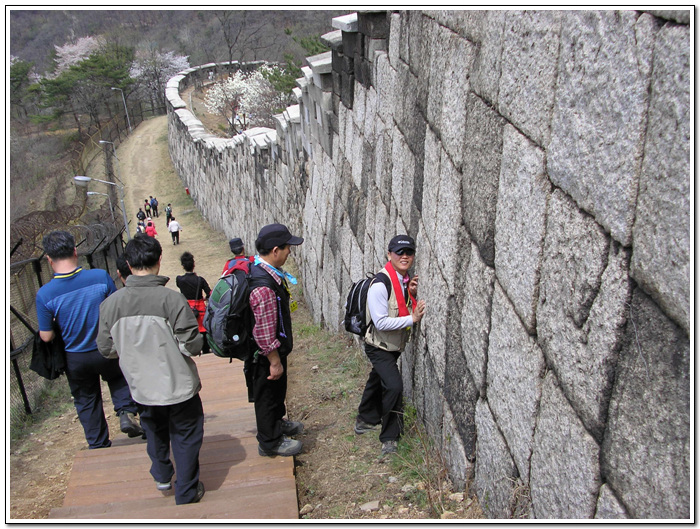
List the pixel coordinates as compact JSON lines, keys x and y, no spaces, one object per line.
{"x":146,"y":170}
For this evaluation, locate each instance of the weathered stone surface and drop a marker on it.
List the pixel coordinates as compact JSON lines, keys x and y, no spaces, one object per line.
{"x":460,"y":468}
{"x":514,"y":379}
{"x":661,"y":258}
{"x":529,"y":71}
{"x":485,"y":75}
{"x":467,"y":23}
{"x":680,"y":16}
{"x":584,"y":292}
{"x":600,"y":113}
{"x":564,"y":472}
{"x":433,"y":290}
{"x":494,"y":472}
{"x":520,"y":223}
{"x":394,"y":37}
{"x":646,"y":451}
{"x":461,"y":395}
{"x":439,"y":49}
{"x":476,"y":316}
{"x":454,"y":90}
{"x":609,"y":507}
{"x":373,"y":24}
{"x":481,"y":171}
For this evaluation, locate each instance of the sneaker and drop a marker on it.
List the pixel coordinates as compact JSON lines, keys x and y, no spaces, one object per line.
{"x":128,"y":424}
{"x":292,"y":427}
{"x":389,"y":447}
{"x":200,"y":493}
{"x":288,"y":447}
{"x":163,"y":486}
{"x":363,"y":427}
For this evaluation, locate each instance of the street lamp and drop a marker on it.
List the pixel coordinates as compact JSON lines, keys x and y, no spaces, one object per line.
{"x":111,"y":208}
{"x":114,"y":151}
{"x":125,"y":109}
{"x":83,"y":181}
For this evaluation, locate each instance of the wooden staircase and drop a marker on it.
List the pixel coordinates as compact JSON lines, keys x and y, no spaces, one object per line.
{"x":115,"y":483}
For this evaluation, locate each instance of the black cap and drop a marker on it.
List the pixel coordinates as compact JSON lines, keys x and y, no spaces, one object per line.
{"x":402,"y":241}
{"x":276,"y":235}
{"x":236,"y":245}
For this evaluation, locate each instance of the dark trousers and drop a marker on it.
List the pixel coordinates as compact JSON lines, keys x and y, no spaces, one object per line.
{"x":382,"y":399}
{"x":269,"y":396}
{"x":182,"y":426}
{"x":154,"y":210}
{"x":83,"y":371}
{"x":176,"y":236}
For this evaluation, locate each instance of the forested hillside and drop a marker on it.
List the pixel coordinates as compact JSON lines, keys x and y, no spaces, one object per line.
{"x":202,"y":35}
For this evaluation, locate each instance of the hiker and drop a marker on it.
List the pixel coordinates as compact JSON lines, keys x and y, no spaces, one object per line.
{"x":272,"y":334}
{"x":140,"y":215}
{"x":238,"y":251}
{"x":393,"y":311}
{"x":147,"y":207}
{"x":140,"y":227}
{"x":154,"y":206}
{"x":174,"y":228}
{"x":153,"y":333}
{"x":151,"y":229}
{"x":196,"y":291}
{"x":168,"y":214}
{"x":72,"y":300}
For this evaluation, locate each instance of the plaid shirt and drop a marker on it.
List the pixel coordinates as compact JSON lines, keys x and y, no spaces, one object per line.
{"x":263,"y":301}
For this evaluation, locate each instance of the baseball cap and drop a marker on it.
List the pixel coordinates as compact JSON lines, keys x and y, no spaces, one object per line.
{"x":276,"y":235}
{"x":236,"y":245}
{"x":401,"y":241}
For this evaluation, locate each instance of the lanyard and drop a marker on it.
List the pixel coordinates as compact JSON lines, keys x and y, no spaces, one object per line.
{"x":398,"y":289}
{"x":284,"y":275}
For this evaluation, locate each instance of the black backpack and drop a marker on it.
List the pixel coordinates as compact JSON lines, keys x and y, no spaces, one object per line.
{"x":229,"y":319}
{"x":355,"y":320}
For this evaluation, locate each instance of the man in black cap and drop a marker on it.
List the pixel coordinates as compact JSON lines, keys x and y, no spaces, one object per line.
{"x":272,"y":333}
{"x":392,"y":311}
{"x":238,"y":251}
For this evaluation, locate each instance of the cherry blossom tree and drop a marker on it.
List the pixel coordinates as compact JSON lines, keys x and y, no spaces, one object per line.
{"x":152,"y":69}
{"x":247,"y":99}
{"x":72,"y":53}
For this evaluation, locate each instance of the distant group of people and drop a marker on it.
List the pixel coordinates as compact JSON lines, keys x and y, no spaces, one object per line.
{"x":142,"y":340}
{"x":146,"y":224}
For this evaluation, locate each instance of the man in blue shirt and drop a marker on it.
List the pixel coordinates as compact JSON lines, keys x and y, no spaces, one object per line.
{"x":71,"y":303}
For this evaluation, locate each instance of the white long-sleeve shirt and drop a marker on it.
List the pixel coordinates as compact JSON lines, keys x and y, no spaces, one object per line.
{"x":378,"y":305}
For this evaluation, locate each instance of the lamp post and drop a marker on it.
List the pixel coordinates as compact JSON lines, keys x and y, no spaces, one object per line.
{"x":83,"y":182}
{"x":125,"y":109}
{"x":111,"y":208}
{"x":114,"y":152}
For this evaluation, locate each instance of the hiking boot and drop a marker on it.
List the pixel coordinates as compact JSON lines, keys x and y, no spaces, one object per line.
{"x":288,"y":447}
{"x":389,"y":447}
{"x":292,"y":427}
{"x":128,"y":424}
{"x":363,"y":427}
{"x":163,"y":486}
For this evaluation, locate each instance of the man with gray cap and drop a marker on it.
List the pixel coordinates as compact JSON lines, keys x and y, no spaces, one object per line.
{"x":392,"y":311}
{"x":238,"y":251}
{"x":270,"y":301}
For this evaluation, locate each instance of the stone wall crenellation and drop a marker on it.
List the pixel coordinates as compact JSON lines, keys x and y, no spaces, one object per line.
{"x":541,"y":159}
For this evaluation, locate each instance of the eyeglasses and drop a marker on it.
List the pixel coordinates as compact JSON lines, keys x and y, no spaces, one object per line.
{"x":406,"y":251}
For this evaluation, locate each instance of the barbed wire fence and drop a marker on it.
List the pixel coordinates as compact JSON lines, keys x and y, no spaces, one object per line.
{"x":99,"y":235}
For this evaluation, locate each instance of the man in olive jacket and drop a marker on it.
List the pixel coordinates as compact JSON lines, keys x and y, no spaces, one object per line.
{"x":153,"y":332}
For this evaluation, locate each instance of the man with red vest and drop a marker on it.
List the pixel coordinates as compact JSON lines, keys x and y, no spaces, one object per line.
{"x":392,"y":311}
{"x":238,"y":251}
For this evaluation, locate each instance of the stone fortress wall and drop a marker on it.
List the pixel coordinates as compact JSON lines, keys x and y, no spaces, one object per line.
{"x":542,"y":161}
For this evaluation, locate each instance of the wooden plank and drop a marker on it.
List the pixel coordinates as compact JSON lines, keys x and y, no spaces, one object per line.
{"x":262,"y":501}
